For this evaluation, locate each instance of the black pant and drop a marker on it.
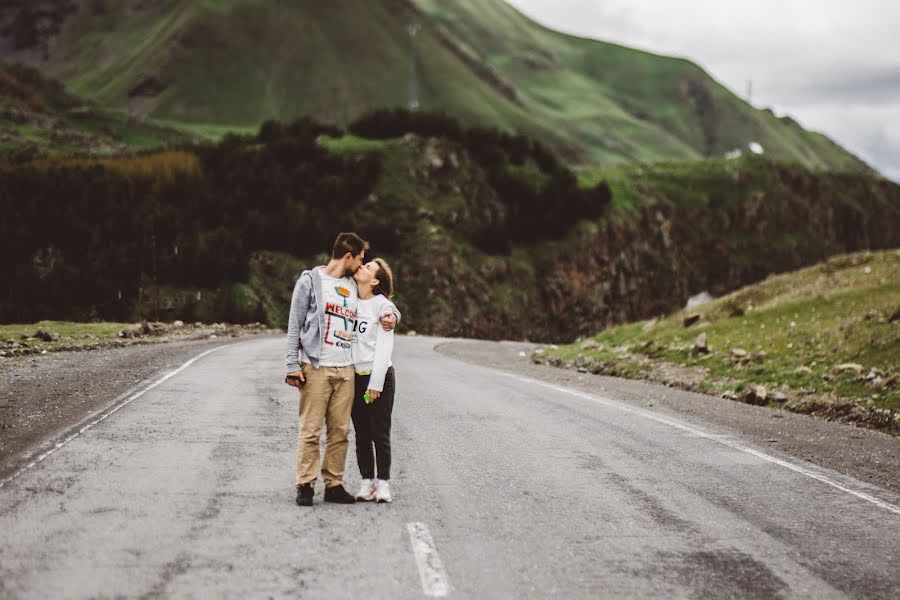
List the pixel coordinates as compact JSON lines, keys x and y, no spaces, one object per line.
{"x":372,"y":423}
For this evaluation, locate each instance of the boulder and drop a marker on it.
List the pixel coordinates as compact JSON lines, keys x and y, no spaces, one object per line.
{"x":738,"y":353}
{"x":691,"y":320}
{"x":700,"y":344}
{"x":178,"y":324}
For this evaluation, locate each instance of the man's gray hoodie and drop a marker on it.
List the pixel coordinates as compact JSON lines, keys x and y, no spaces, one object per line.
{"x":307,"y":320}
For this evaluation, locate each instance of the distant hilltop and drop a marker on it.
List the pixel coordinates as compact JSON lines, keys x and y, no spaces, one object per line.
{"x":239,"y":63}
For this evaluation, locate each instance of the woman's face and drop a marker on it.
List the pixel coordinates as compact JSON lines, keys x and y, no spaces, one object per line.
{"x":366,"y":273}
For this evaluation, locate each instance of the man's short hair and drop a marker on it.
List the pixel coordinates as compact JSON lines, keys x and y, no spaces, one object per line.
{"x":348,"y":242}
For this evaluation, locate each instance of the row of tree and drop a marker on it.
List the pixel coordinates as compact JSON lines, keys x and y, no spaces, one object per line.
{"x":78,"y":237}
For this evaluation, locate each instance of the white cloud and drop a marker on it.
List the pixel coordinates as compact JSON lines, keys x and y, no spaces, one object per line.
{"x":834,"y":65}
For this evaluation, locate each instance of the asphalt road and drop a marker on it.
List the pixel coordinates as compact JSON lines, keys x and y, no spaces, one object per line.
{"x":503,"y":487}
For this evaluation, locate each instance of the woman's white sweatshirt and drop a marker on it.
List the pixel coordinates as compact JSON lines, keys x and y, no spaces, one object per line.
{"x":372,"y":345}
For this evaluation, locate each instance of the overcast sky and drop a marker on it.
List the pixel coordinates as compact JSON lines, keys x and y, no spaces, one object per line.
{"x":833,"y":65}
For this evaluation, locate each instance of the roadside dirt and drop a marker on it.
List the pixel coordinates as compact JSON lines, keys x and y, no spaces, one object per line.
{"x":864,"y":454}
{"x":43,"y":395}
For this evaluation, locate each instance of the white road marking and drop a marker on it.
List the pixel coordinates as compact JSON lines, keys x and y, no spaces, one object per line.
{"x":431,"y":569}
{"x":716,"y":438}
{"x":59,"y":444}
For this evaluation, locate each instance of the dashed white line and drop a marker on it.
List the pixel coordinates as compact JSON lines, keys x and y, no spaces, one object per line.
{"x":716,"y":438}
{"x":431,"y":569}
{"x":59,"y":444}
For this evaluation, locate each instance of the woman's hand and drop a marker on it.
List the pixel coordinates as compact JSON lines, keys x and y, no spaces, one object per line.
{"x":388,"y":321}
{"x":374,"y":395}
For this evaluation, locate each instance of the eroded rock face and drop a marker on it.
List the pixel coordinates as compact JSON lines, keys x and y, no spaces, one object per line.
{"x":619,"y":271}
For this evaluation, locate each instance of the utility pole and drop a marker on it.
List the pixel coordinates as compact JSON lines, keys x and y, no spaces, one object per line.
{"x":412,"y":102}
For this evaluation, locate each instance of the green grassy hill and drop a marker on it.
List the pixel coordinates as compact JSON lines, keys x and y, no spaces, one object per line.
{"x":823,"y":340}
{"x":236,"y":63}
{"x":38,"y":117}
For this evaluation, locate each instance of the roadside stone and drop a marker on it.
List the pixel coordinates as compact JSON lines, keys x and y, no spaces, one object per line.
{"x":46,"y":336}
{"x":591,"y":345}
{"x":178,"y":324}
{"x":738,"y":353}
{"x":411,"y":333}
{"x":700,"y":344}
{"x":873,"y":373}
{"x":855,"y":367}
{"x":691,"y":319}
{"x":779,"y":397}
{"x":754,"y":394}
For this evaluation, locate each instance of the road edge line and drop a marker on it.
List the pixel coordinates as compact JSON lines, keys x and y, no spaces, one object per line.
{"x":80,"y":428}
{"x":700,"y":433}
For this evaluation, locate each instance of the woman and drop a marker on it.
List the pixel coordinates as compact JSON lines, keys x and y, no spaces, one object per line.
{"x":374,"y":399}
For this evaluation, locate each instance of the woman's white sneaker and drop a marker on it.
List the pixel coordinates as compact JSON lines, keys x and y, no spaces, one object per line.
{"x":382,"y":491}
{"x":366,"y":491}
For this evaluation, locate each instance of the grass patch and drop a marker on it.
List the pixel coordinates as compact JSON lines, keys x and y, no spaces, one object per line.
{"x":349,"y":144}
{"x":788,"y":334}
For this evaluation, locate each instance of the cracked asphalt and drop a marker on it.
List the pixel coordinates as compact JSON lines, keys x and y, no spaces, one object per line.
{"x":528,"y":491}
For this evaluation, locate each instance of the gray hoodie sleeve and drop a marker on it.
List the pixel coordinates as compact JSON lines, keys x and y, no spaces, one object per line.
{"x":300,"y":301}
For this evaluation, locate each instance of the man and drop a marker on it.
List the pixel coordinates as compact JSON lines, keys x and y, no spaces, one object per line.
{"x":319,"y":360}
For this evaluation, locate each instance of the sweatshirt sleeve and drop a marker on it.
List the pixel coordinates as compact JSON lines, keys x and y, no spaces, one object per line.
{"x":384,"y":347}
{"x":299,"y":307}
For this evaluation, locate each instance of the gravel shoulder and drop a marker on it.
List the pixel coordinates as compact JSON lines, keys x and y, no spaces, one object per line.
{"x":42,"y":396}
{"x":864,"y":454}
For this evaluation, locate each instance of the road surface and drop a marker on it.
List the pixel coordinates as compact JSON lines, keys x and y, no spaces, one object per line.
{"x":504,"y":488}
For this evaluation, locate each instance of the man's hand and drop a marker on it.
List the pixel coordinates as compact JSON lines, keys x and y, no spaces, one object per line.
{"x":388,"y":321}
{"x":374,"y":395}
{"x":294,"y":382}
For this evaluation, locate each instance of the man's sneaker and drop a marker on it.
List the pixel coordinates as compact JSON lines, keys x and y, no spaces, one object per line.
{"x":366,"y":491}
{"x":339,"y":495}
{"x":305,"y":494}
{"x":382,"y":491}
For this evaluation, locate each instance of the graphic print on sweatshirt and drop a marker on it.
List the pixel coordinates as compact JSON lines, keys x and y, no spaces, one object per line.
{"x":340,"y":318}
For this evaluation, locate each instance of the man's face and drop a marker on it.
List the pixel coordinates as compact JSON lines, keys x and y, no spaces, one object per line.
{"x":355,"y":263}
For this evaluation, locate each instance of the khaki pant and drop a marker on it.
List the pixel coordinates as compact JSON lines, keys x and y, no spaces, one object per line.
{"x":328,"y":396}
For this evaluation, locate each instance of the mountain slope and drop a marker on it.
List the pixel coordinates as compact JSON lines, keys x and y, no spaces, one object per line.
{"x":622,"y":102}
{"x":38,"y":117}
{"x":240,"y":62}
